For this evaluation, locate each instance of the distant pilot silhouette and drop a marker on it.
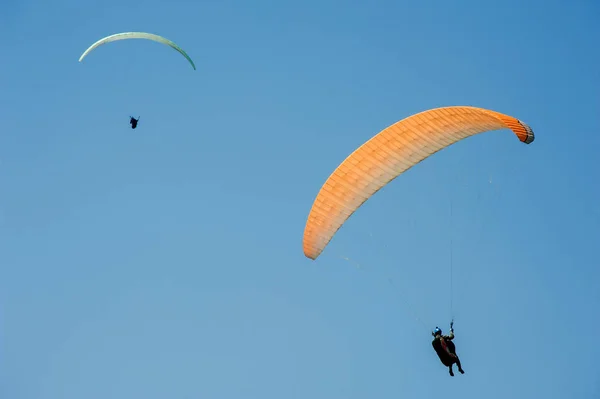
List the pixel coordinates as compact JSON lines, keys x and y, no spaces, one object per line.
{"x":133,"y":121}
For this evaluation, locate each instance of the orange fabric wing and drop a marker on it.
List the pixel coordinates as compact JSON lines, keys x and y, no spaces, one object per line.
{"x":390,"y":153}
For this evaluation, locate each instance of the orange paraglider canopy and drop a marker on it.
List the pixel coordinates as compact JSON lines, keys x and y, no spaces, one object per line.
{"x":389,"y":154}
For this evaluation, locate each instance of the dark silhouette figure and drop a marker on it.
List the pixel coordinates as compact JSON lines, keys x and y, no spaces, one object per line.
{"x":133,"y":121}
{"x":445,"y":349}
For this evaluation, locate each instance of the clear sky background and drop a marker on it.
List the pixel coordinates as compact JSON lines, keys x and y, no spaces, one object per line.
{"x":166,"y":261}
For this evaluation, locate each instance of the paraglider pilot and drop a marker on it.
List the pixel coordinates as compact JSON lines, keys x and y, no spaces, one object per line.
{"x":133,"y":121}
{"x":445,"y":349}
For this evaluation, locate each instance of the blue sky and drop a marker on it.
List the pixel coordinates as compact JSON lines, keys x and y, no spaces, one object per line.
{"x":166,"y":261}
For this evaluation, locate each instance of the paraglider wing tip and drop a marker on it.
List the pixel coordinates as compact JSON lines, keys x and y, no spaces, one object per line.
{"x":530,"y":135}
{"x":310,"y":252}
